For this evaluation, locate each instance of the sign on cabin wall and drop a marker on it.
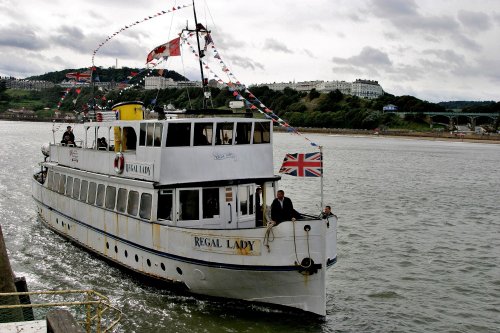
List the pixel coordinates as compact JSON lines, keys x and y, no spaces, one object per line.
{"x":142,"y":170}
{"x":226,"y":245}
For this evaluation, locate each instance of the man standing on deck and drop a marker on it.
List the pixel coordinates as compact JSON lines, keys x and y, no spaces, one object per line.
{"x":68,"y":136}
{"x":282,"y":208}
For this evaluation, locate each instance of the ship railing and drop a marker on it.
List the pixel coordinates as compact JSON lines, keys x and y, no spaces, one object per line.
{"x":92,"y":310}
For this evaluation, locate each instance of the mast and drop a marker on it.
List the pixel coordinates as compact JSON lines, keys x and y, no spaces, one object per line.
{"x":200,"y":55}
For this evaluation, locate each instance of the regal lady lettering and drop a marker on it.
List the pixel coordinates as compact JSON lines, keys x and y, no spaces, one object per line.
{"x":207,"y":242}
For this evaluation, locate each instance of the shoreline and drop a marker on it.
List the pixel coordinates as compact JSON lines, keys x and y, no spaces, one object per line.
{"x":430,"y":136}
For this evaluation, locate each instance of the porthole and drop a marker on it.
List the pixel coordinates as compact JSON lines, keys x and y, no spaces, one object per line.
{"x":136,"y":258}
{"x":107,"y":245}
{"x":57,"y":221}
{"x":162,"y":266}
{"x":179,"y":270}
{"x":148,"y":262}
{"x":126,"y":254}
{"x":62,"y":223}
{"x":69,"y":227}
{"x":116,"y":249}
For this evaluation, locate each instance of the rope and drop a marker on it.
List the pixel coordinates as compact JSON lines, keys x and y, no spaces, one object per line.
{"x":269,"y":232}
{"x":295,"y":247}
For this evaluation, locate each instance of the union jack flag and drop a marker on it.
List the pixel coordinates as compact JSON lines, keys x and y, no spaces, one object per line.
{"x":303,"y":165}
{"x":80,"y":76}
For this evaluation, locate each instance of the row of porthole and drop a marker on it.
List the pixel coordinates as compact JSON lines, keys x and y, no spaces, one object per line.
{"x":62,"y":223}
{"x":162,"y":265}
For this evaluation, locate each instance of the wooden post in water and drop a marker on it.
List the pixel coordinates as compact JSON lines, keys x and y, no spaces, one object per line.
{"x":7,"y":285}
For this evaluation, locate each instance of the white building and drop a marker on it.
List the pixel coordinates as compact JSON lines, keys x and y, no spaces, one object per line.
{"x":159,"y":82}
{"x":366,"y":89}
{"x":327,"y":86}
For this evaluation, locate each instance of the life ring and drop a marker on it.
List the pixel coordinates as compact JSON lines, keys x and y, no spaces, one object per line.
{"x":119,"y":163}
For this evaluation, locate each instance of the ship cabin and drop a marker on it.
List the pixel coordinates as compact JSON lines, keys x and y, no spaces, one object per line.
{"x":186,"y":172}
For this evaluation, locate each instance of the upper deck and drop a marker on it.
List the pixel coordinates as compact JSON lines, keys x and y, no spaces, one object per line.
{"x":174,"y":151}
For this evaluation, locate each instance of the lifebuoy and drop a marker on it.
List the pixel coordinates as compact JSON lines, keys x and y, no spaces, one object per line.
{"x":119,"y":163}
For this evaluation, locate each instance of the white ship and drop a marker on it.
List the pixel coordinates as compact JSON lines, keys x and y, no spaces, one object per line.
{"x":176,"y":200}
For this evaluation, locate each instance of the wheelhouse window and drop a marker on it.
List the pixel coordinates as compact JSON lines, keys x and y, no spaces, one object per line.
{"x":210,"y":197}
{"x":150,"y":135}
{"x":224,"y":134}
{"x":133,"y":203}
{"x":142,"y":134}
{"x":55,"y":186}
{"x":246,"y":200}
{"x":262,"y":132}
{"x":157,"y":135}
{"x":121,"y":202}
{"x":243,"y":133}
{"x":50,"y":183}
{"x":145,"y":209}
{"x":110,"y":197}
{"x":129,"y":140}
{"x":165,"y":204}
{"x":178,"y":134}
{"x":203,"y":133}
{"x":189,"y":205}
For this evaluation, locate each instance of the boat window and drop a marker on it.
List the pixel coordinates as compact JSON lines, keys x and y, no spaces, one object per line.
{"x":145,"y":210}
{"x":92,"y":193}
{"x":129,"y":139}
{"x":210,"y":199}
{"x":142,"y":135}
{"x":69,"y":186}
{"x":189,"y":204}
{"x":121,"y":203}
{"x":76,"y":188}
{"x":50,"y":183}
{"x":110,"y":197}
{"x":262,"y":132}
{"x":243,"y":199}
{"x":99,"y":201}
{"x":133,"y":203}
{"x":55,"y":185}
{"x":250,"y":202}
{"x":203,"y":134}
{"x":62,"y":182}
{"x":178,"y":135}
{"x":157,"y":135}
{"x":243,"y":133}
{"x":224,"y":134}
{"x":84,"y":190}
{"x":150,"y":134}
{"x":165,"y":202}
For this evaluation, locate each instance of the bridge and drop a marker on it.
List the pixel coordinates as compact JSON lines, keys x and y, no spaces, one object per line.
{"x":451,"y":116}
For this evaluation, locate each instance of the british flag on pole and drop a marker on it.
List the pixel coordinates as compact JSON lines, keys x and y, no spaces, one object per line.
{"x":303,"y":165}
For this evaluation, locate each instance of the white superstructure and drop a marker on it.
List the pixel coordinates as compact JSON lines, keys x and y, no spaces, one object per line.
{"x":176,"y":200}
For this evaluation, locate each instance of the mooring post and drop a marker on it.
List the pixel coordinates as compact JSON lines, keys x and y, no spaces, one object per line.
{"x":7,"y":285}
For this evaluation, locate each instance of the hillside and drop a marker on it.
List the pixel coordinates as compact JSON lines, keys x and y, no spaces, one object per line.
{"x":107,"y":74}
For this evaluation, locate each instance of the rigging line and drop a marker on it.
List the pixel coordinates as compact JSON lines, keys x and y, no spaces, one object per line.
{"x":184,"y":74}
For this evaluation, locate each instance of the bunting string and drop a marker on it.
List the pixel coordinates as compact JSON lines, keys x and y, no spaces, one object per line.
{"x":163,"y":12}
{"x":235,"y":86}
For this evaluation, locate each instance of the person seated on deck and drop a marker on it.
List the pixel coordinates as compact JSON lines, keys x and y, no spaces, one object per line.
{"x":102,"y":144}
{"x":282,"y":209}
{"x":68,"y":137}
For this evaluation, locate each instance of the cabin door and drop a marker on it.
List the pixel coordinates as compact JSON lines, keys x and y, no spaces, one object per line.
{"x":229,"y":209}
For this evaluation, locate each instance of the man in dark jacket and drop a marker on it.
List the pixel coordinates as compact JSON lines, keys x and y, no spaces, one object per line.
{"x":68,"y":136}
{"x":282,"y":208}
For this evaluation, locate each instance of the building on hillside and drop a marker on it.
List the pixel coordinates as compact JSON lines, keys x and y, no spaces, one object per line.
{"x":390,"y":108}
{"x":362,"y":88}
{"x":159,"y":82}
{"x":13,"y":83}
{"x":366,"y":89}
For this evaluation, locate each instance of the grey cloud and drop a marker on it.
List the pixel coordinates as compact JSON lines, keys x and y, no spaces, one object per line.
{"x":245,"y":62}
{"x":466,"y":42}
{"x":309,"y":53}
{"x":274,"y":45}
{"x":475,"y":21}
{"x":22,"y":37}
{"x":447,"y":56}
{"x":368,"y":57}
{"x":394,"y":8}
{"x":226,"y":41}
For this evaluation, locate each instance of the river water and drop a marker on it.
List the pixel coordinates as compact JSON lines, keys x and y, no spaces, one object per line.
{"x":418,"y":240}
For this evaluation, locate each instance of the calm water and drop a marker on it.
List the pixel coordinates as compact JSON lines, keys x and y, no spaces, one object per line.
{"x":419,"y":240}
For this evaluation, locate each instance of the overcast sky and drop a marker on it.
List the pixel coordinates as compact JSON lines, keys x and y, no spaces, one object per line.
{"x":434,"y":50}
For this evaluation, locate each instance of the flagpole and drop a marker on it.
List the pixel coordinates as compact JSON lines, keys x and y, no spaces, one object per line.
{"x":321,"y":180}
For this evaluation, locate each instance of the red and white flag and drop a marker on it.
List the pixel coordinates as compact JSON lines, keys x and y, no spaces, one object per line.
{"x":172,"y":48}
{"x":303,"y":165}
{"x":80,"y":77}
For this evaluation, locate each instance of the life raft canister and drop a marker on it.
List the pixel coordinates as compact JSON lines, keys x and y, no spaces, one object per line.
{"x":119,"y":163}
